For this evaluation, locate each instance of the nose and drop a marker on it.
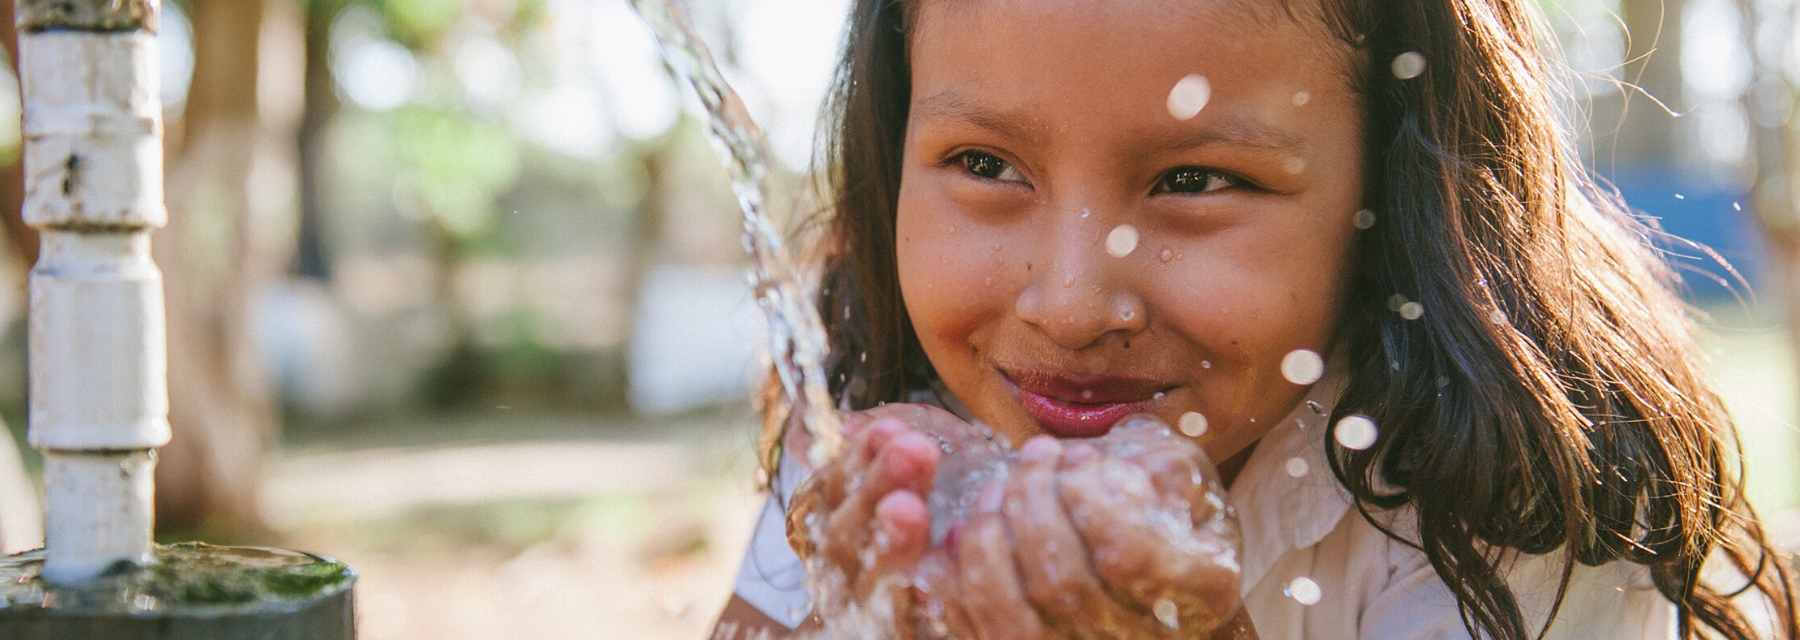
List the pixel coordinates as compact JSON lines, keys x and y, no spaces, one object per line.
{"x":1082,"y":292}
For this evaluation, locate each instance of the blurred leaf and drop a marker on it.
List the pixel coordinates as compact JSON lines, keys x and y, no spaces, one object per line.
{"x":458,"y":167}
{"x":417,"y":23}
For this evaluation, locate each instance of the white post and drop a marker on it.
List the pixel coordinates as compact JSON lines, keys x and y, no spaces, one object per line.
{"x":88,"y":76}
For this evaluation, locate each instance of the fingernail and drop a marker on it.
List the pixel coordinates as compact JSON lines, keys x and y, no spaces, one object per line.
{"x":1040,"y":448}
{"x":989,"y":499}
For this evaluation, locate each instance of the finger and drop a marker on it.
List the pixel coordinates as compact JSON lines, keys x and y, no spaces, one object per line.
{"x":1053,"y":559}
{"x":1177,"y":480}
{"x":938,"y":610}
{"x":1145,"y":552}
{"x":902,"y":533}
{"x":906,"y":462}
{"x":992,"y":595}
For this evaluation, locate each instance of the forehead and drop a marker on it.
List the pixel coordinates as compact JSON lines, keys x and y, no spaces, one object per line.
{"x":1046,"y":54}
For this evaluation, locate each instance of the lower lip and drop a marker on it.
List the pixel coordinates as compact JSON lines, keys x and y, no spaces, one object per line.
{"x":1065,"y":419}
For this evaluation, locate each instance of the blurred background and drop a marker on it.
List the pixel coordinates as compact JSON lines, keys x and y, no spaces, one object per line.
{"x":456,"y":293}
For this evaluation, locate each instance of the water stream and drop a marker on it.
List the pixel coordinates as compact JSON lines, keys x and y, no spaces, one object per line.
{"x":797,"y":342}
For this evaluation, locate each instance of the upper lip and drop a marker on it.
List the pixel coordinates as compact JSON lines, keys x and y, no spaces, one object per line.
{"x":1084,"y":389}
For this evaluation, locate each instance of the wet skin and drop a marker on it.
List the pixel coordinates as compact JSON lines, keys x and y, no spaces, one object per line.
{"x":1037,"y":128}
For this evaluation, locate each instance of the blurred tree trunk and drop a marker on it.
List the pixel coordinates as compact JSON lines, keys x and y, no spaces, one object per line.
{"x":22,"y":239}
{"x":321,"y":105}
{"x":228,"y":183}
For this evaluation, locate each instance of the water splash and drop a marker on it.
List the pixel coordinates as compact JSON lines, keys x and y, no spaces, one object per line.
{"x":1298,"y":467}
{"x":1192,"y":424}
{"x":1357,"y":432}
{"x":1303,"y":366}
{"x":1122,"y":241}
{"x":796,"y":335}
{"x":1304,"y":591}
{"x":1189,"y":96}
{"x":1408,"y":65}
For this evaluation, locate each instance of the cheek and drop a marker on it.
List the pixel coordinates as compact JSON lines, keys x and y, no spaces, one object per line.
{"x":950,"y":277}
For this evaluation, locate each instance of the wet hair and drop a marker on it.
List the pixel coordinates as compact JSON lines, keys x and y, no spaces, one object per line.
{"x":1551,"y":398}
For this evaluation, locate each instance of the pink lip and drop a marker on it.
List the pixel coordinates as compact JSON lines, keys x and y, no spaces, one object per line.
{"x":1085,"y":407}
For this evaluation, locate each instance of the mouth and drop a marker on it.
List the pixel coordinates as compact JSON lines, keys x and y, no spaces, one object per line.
{"x":1080,"y":406}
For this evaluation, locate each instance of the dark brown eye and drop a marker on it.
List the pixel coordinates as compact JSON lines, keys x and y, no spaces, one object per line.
{"x":987,"y":165}
{"x":1194,"y":180}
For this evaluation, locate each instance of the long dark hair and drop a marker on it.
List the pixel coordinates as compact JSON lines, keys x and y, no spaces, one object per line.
{"x":1550,"y":398}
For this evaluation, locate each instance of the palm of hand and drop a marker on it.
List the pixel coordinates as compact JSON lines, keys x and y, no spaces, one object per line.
{"x":1124,"y":536}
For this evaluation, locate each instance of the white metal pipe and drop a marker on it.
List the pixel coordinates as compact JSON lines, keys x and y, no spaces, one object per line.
{"x":100,"y":512}
{"x":93,"y":174}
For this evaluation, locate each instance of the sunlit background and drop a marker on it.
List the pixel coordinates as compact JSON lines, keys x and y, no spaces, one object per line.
{"x":457,"y":296}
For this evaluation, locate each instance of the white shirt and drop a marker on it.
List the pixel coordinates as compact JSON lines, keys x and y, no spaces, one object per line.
{"x":1303,"y":526}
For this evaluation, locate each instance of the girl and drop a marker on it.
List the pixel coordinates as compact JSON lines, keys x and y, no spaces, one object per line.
{"x":1054,"y":214}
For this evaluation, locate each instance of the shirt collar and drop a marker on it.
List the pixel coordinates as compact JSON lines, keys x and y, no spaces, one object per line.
{"x":1286,"y":497}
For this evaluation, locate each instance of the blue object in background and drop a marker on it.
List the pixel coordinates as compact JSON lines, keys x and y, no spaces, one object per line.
{"x":1709,"y":213}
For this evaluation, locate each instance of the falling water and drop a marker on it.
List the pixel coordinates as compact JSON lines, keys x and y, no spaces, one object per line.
{"x":796,"y":335}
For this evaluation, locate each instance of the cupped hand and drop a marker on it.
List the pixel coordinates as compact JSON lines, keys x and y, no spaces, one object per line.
{"x":1124,"y":536}
{"x":861,"y":520}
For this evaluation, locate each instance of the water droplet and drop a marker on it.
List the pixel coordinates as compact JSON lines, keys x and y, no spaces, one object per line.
{"x":1737,"y":207}
{"x":1192,"y":424}
{"x":1158,"y":395}
{"x":1408,"y":65}
{"x":996,"y":247}
{"x":1364,"y":219}
{"x":1167,"y":613}
{"x":1095,"y":288}
{"x":1189,"y":96}
{"x":1294,"y":164}
{"x":1085,"y":213}
{"x":1304,"y":591}
{"x":1497,"y":317}
{"x":1128,"y":315}
{"x":1122,"y":241}
{"x":1412,"y":310}
{"x":1166,"y":255}
{"x":1680,"y":197}
{"x":1298,"y":467}
{"x":1443,"y":381}
{"x":952,"y":229}
{"x":1206,"y":364}
{"x":1356,"y":431}
{"x":1395,"y":301}
{"x":1068,"y":280}
{"x":1087,"y":394}
{"x":863,"y":357}
{"x":1315,"y":407}
{"x":1302,"y":98}
{"x":1302,"y":366}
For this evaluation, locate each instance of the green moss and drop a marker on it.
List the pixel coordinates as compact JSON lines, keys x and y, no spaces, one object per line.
{"x":185,"y":578}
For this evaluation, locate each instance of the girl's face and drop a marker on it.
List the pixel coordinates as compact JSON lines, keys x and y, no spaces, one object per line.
{"x":1043,"y":134}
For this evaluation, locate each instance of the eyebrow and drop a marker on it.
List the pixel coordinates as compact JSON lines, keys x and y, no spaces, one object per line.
{"x":1243,"y":130}
{"x":952,"y":106}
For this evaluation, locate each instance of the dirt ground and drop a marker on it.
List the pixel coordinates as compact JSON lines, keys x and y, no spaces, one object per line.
{"x":617,"y":535}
